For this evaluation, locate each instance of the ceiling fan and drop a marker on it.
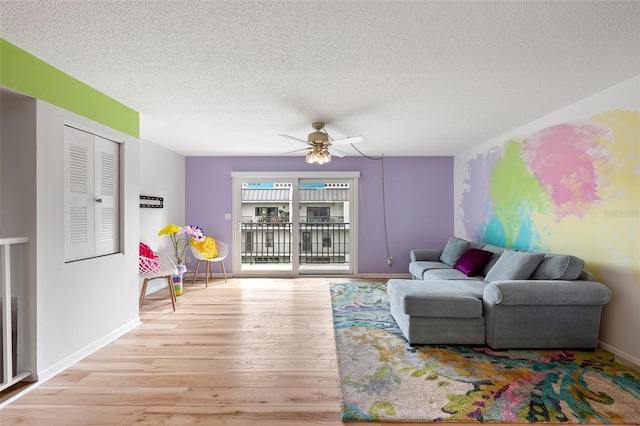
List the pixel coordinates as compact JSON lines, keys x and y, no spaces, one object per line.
{"x":320,"y":145}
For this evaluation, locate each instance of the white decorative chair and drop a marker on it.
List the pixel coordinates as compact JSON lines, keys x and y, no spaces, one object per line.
{"x":223,"y":251}
{"x":162,"y":267}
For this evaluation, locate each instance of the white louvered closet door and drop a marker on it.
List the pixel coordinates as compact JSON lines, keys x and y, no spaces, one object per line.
{"x":106,"y":189}
{"x":91,"y":195}
{"x":79,"y":187}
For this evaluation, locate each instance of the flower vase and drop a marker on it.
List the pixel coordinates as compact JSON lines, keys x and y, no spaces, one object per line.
{"x":177,"y":279}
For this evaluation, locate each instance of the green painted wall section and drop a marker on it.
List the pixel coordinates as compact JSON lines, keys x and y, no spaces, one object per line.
{"x":23,"y":72}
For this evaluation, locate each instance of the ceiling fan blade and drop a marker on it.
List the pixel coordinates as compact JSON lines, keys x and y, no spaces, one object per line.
{"x":294,"y":138}
{"x":297,"y":150}
{"x":336,"y":152}
{"x":346,"y":141}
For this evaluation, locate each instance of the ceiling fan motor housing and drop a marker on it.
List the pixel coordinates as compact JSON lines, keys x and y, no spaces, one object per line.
{"x":318,"y":137}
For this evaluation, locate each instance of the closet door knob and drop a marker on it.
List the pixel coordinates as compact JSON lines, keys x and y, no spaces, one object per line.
{"x":98,"y":200}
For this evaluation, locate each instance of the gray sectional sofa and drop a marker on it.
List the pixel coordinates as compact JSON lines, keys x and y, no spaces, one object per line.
{"x":473,"y":293}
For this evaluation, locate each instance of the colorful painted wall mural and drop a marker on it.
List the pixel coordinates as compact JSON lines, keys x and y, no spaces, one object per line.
{"x":572,"y":187}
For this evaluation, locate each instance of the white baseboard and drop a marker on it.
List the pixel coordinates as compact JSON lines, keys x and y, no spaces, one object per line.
{"x":201,"y":276}
{"x":67,"y":362}
{"x":621,"y":357}
{"x":385,"y":276}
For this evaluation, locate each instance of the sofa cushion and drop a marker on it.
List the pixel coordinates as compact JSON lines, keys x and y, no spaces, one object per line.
{"x":497,"y":251}
{"x":433,"y":299}
{"x":586,"y":276}
{"x":514,"y":265}
{"x":425,"y":255}
{"x":453,"y":250}
{"x":472,"y":261}
{"x":448,"y":274}
{"x":417,"y":269}
{"x":558,"y":267}
{"x":475,"y":245}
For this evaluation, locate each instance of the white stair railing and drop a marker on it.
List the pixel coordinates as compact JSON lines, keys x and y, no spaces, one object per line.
{"x":7,"y":327}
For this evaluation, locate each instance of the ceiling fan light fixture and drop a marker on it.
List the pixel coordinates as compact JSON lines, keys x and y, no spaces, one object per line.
{"x":318,"y":155}
{"x":310,"y":158}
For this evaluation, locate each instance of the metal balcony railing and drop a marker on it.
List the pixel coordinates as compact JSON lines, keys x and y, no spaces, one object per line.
{"x":321,"y":219}
{"x":9,"y":314}
{"x":271,"y":242}
{"x":285,"y":219}
{"x":265,"y":219}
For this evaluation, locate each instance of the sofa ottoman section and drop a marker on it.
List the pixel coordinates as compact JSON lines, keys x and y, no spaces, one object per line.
{"x":437,"y":312}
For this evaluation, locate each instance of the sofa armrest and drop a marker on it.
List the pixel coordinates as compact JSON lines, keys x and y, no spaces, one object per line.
{"x":431,"y":255}
{"x":546,"y":293}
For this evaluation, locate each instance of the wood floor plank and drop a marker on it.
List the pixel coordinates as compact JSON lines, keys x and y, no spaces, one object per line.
{"x":68,"y":378}
{"x":71,"y":415}
{"x":183,"y":379}
{"x":211,"y":351}
{"x":308,"y":380}
{"x":275,"y":365}
{"x":110,"y":396}
{"x":240,"y":396}
{"x":263,"y":415}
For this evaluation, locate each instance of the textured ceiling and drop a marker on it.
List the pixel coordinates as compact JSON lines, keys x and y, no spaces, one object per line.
{"x":415,"y":78}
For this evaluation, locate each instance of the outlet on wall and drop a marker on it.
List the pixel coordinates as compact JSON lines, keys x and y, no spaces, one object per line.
{"x":390,"y":260}
{"x":188,"y":259}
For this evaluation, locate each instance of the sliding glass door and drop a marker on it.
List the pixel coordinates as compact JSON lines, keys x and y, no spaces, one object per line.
{"x":324,"y":220}
{"x":290,"y":224}
{"x":266,"y":227}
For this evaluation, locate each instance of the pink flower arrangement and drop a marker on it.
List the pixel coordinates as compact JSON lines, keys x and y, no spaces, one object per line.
{"x":194,"y":232}
{"x":180,"y":244}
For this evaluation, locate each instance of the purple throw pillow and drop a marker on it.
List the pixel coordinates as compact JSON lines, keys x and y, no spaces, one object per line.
{"x":472,"y":261}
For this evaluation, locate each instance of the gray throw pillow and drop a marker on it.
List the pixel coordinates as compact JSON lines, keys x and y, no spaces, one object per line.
{"x":514,"y":265}
{"x":558,"y":267}
{"x":497,"y":251}
{"x":453,"y":250}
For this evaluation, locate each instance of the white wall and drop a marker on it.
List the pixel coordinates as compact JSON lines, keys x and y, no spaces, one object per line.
{"x":76,"y":307}
{"x":85,"y":304}
{"x":18,"y":213}
{"x":162,"y":174}
{"x":608,"y":242}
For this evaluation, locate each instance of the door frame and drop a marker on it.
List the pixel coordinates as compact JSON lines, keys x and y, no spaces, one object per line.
{"x":294,"y":177}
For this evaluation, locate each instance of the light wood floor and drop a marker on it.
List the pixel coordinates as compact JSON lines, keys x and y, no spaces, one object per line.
{"x":250,"y":351}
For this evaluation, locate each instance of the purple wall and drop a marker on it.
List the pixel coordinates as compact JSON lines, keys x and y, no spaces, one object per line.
{"x":418,"y":192}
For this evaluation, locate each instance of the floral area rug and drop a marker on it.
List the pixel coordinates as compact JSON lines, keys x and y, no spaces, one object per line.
{"x":383,"y":378}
